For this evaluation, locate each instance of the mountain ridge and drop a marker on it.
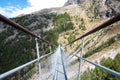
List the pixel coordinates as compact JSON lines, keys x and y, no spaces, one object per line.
{"x":59,"y":25}
{"x":72,"y":2}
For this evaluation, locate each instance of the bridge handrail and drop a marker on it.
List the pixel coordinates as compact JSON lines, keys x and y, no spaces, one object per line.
{"x":17,"y":26}
{"x":22,"y":66}
{"x":115,"y":73}
{"x":103,"y":25}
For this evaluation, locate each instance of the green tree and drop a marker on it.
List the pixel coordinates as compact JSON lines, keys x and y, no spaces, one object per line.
{"x":71,"y":38}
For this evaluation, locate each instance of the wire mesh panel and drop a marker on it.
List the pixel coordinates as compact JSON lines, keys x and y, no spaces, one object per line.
{"x":28,"y":75}
{"x":60,"y":66}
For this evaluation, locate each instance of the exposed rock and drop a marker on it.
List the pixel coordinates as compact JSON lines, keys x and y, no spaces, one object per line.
{"x":103,"y":8}
{"x":110,"y":12}
{"x":71,"y":2}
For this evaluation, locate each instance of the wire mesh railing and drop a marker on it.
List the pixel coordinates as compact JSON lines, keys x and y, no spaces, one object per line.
{"x":109,"y":22}
{"x":49,"y":67}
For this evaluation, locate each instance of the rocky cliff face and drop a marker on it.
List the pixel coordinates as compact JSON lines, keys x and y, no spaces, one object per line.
{"x":103,"y":8}
{"x":84,"y":14}
{"x":71,"y":2}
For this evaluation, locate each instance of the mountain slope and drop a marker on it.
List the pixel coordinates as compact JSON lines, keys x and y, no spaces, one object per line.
{"x":72,"y":2}
{"x":59,"y":26}
{"x":16,"y":47}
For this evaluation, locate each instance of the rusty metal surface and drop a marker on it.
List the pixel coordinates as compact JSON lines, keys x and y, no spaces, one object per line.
{"x":17,"y":26}
{"x":103,"y":25}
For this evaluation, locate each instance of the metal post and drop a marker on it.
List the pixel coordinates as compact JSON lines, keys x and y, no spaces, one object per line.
{"x":57,"y":76}
{"x":39,"y":66}
{"x":8,"y":73}
{"x":80,"y":63}
{"x":115,"y":73}
{"x":50,"y":48}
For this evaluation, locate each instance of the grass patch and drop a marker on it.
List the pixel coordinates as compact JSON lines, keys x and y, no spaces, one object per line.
{"x":100,"y":47}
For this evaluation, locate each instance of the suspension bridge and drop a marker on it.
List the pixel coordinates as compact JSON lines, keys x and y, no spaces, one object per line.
{"x":56,"y":64}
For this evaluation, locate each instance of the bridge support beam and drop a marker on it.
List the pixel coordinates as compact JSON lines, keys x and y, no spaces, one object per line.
{"x":39,"y":65}
{"x":80,"y":63}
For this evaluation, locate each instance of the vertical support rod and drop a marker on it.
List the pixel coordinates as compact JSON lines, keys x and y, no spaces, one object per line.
{"x":54,"y":77}
{"x":39,"y":65}
{"x":80,"y":63}
{"x":50,"y":48}
{"x":57,"y":76}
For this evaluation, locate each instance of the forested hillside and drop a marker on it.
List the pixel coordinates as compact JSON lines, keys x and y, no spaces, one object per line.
{"x":61,"y":26}
{"x":17,"y":48}
{"x":99,"y":74}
